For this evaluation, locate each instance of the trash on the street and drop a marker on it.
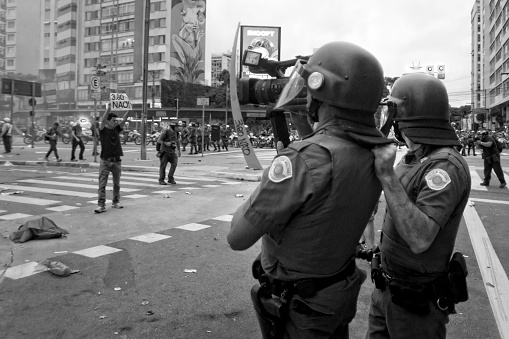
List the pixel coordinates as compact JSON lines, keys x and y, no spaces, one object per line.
{"x":60,"y":252}
{"x":188,"y":192}
{"x":145,"y":303}
{"x":149,"y":313}
{"x":471,"y":203}
{"x":102,"y":317}
{"x":167,"y":195}
{"x":190,"y":270}
{"x":37,"y":229}
{"x":490,"y":284}
{"x":57,"y":268}
{"x":239,"y":195}
{"x":11,"y":193}
{"x":117,"y":288}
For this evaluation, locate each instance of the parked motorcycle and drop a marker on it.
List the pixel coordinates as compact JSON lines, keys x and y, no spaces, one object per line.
{"x":131,"y":136}
{"x":266,"y":141}
{"x":152,"y":138}
{"x":39,"y":135}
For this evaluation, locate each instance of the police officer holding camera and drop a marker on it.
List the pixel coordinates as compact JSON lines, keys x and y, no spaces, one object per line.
{"x":491,"y":157}
{"x":418,"y":283}
{"x":315,"y":200}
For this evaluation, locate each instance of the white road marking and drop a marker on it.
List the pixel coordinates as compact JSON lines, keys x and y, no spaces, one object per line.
{"x":98,"y":251}
{"x":493,"y":274}
{"x":14,"y":216}
{"x":193,"y":227}
{"x":27,"y":200}
{"x":62,"y":208}
{"x":72,"y":184}
{"x":226,"y":217}
{"x":150,"y":237}
{"x":49,"y":191}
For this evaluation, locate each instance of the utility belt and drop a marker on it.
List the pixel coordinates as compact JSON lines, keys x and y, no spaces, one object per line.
{"x":114,"y":159}
{"x":445,"y":290}
{"x":271,"y":297}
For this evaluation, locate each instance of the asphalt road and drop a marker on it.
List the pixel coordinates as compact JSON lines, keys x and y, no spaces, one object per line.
{"x":161,"y":267}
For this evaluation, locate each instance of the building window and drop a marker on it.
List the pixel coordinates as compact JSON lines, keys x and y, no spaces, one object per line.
{"x":11,"y":24}
{"x":10,"y":62}
{"x":155,"y":57}
{"x":126,"y":26}
{"x":158,"y":23}
{"x":125,"y":76}
{"x":92,"y":15}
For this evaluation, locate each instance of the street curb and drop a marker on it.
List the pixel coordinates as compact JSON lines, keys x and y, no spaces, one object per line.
{"x":132,"y":168}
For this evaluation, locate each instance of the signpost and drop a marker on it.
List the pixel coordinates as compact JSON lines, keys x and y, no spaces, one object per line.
{"x":95,"y":93}
{"x":201,"y":101}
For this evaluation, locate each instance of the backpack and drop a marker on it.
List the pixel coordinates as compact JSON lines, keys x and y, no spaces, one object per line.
{"x":500,"y":147}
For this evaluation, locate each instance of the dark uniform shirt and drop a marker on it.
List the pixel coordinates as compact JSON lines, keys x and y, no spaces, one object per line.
{"x":169,"y":135}
{"x":439,"y":187}
{"x":314,"y":203}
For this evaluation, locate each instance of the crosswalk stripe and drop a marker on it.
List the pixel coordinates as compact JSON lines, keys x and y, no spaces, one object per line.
{"x":69,"y":184}
{"x":133,"y":178}
{"x":476,"y":181}
{"x":28,"y":200}
{"x":50,"y":191}
{"x":14,"y":216}
{"x":122,"y":182}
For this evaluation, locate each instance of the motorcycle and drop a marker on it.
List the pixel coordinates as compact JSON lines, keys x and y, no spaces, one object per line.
{"x":152,"y":138}
{"x":39,"y":135}
{"x":86,"y":137}
{"x":266,"y":140}
{"x":131,"y":136}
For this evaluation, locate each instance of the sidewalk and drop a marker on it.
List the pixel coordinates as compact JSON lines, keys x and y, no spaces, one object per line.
{"x":229,"y":165}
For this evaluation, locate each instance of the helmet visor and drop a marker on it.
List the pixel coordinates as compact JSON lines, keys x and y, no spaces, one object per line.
{"x":387,"y":117}
{"x":296,"y":84}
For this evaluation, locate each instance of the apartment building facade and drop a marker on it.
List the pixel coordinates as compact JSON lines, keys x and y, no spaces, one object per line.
{"x":63,"y":41}
{"x":218,"y":63}
{"x":490,"y":63}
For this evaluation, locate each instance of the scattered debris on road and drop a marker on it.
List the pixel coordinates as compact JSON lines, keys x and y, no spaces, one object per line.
{"x":189,"y":270}
{"x":57,"y":268}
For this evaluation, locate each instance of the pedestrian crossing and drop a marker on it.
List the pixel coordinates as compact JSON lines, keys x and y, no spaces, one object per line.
{"x":68,"y":189}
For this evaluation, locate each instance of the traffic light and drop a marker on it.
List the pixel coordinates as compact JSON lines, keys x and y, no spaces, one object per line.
{"x":99,"y":70}
{"x":430,"y":69}
{"x":441,"y":71}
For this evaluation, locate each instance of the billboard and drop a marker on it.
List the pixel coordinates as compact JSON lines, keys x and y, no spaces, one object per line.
{"x":187,"y":46}
{"x":265,"y":39}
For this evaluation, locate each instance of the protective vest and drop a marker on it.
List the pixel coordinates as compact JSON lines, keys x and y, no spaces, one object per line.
{"x":322,"y":242}
{"x":436,"y":258}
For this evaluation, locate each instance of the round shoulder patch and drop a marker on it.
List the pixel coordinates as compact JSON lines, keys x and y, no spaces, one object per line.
{"x":437,"y":179}
{"x":281,"y":169}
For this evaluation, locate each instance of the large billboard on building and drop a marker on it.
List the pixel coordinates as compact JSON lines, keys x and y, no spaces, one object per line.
{"x":187,"y":46}
{"x":261,"y":38}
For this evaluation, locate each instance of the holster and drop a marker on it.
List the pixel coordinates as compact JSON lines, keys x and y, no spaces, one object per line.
{"x":270,"y":312}
{"x":410,"y":296}
{"x":457,"y":275}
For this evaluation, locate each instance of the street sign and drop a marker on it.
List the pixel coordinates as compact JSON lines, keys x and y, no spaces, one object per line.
{"x":32,"y":102}
{"x":95,"y":82}
{"x":200,"y":101}
{"x":95,"y":94}
{"x":25,"y":88}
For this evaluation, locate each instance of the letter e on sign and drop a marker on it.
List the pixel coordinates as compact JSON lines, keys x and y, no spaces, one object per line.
{"x":95,"y":82}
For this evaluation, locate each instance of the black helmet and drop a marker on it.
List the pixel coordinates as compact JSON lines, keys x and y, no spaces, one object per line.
{"x":340,"y":74}
{"x":422,"y":110}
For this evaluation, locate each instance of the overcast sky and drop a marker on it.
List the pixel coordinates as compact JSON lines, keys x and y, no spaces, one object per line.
{"x":400,"y":33}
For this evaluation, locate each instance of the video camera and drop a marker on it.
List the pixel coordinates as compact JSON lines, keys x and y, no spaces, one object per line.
{"x":266,"y":91}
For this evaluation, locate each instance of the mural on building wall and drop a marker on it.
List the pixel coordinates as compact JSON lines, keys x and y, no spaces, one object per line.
{"x":187,"y":51}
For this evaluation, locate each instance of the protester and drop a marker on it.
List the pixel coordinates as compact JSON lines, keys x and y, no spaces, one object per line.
{"x":314,"y":201}
{"x":77,"y":139}
{"x":426,"y":195}
{"x":53,"y":133}
{"x":6,"y":135}
{"x":491,"y":157}
{"x":471,"y":142}
{"x":111,"y":153}
{"x":170,"y":151}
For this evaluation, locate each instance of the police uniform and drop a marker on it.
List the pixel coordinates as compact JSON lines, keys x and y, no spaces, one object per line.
{"x":313,"y":204}
{"x":437,"y":181}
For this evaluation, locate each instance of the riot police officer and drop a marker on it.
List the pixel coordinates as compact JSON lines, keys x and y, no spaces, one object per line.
{"x":315,"y":200}
{"x":426,"y":194}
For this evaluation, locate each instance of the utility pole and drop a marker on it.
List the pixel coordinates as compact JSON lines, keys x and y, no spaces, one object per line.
{"x":143,"y":155}
{"x":177,"y":99}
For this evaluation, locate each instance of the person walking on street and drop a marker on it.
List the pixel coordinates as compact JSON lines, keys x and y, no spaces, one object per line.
{"x":170,"y":152}
{"x":6,"y":135}
{"x":225,"y":134}
{"x":77,"y":139}
{"x":192,"y":138}
{"x":491,"y":157}
{"x":426,"y":194}
{"x":314,"y":201}
{"x":471,"y":143}
{"x":111,"y":153}
{"x":206,"y":135}
{"x":184,"y":135}
{"x":53,"y":133}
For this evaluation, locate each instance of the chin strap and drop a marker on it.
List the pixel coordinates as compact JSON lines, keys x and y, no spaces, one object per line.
{"x":397,"y":133}
{"x":313,"y":109}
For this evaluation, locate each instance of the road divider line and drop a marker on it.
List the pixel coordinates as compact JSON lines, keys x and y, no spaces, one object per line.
{"x":493,"y":274}
{"x":491,"y":201}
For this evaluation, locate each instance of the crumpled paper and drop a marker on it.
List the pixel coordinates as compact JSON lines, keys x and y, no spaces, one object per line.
{"x":56,"y":268}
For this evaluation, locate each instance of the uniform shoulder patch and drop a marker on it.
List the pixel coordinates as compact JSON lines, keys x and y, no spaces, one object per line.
{"x":281,"y":169}
{"x":437,"y":179}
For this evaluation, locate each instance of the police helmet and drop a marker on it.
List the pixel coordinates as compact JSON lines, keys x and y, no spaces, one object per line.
{"x":422,"y":110}
{"x":7,"y":120}
{"x":155,"y":124}
{"x":340,"y":74}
